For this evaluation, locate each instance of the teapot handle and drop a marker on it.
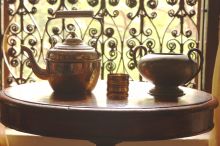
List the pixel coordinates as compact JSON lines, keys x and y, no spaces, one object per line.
{"x":73,"y":13}
{"x":141,"y":47}
{"x":201,"y":61}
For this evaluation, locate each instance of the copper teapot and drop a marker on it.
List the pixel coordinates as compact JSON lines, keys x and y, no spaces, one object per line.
{"x":167,"y":71}
{"x":71,"y":67}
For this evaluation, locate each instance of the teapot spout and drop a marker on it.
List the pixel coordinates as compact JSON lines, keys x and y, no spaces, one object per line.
{"x":38,"y":71}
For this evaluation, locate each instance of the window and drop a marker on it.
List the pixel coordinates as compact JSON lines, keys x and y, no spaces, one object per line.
{"x":173,"y":26}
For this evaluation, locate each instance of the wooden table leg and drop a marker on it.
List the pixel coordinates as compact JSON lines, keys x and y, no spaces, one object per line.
{"x":105,"y":142}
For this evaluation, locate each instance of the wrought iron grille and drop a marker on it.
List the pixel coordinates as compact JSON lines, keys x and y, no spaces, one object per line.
{"x":118,"y":26}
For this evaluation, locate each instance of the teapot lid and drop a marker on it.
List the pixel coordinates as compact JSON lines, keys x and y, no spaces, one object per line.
{"x":72,"y":50}
{"x":73,"y":44}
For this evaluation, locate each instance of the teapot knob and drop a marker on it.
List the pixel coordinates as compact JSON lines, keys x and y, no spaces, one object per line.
{"x":72,"y":34}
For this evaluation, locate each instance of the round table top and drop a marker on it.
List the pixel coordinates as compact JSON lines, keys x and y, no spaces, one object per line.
{"x":34,"y":108}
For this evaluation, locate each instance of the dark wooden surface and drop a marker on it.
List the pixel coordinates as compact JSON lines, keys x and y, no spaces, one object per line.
{"x":33,"y":108}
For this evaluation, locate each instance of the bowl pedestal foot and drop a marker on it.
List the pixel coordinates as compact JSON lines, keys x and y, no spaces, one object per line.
{"x":166,"y":92}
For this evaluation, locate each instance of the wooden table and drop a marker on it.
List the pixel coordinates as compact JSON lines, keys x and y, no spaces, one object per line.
{"x":33,"y":108}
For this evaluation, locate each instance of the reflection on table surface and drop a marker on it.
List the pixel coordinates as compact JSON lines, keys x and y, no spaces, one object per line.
{"x":42,"y":93}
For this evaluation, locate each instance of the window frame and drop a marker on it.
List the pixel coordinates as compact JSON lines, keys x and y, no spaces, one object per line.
{"x":211,"y":41}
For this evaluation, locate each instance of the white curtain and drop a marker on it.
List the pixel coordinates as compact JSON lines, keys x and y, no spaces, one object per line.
{"x":215,"y":135}
{"x":3,"y":138}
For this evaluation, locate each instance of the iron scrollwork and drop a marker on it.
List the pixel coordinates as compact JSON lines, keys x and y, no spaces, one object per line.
{"x":118,"y":26}
{"x":20,"y":32}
